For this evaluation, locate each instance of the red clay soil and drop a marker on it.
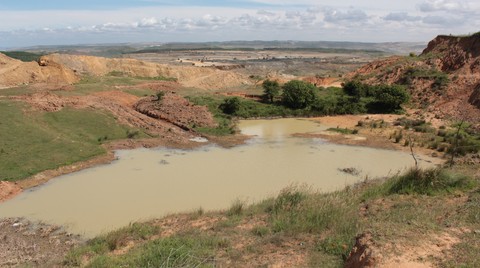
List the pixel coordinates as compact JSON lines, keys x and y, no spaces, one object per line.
{"x":458,"y":57}
{"x":176,"y":110}
{"x":8,"y":190}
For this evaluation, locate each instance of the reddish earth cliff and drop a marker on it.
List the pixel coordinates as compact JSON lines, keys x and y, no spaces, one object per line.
{"x":444,"y":79}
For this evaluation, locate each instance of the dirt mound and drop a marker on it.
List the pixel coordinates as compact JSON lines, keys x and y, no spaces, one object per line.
{"x":444,"y":79}
{"x":14,"y":72}
{"x":189,"y":76}
{"x":120,"y":104}
{"x":176,"y":110}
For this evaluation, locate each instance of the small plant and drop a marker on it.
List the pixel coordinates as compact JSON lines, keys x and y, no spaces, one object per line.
{"x":236,"y":209}
{"x":288,"y":199}
{"x":132,"y":134}
{"x":159,"y":95}
{"x":344,"y":131}
{"x":260,"y":231}
{"x":398,"y":135}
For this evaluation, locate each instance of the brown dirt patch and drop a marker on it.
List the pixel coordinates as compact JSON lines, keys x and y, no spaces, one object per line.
{"x":176,"y":110}
{"x":33,"y":244}
{"x":14,"y":72}
{"x":155,"y":86}
{"x":8,"y":190}
{"x":366,"y":253}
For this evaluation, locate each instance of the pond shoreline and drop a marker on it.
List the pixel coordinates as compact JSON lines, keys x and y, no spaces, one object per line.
{"x":9,"y":190}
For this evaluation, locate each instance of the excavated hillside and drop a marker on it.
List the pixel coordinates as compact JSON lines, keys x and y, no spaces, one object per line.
{"x":14,"y":72}
{"x":63,"y":69}
{"x":444,"y":79}
{"x":188,"y":76}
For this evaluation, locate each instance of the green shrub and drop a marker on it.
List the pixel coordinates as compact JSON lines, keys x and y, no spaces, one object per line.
{"x":236,"y":208}
{"x":271,"y":89}
{"x":298,"y":94}
{"x":429,"y":182}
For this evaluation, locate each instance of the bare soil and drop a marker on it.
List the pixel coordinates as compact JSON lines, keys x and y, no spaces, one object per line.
{"x":24,"y":243}
{"x":8,"y":190}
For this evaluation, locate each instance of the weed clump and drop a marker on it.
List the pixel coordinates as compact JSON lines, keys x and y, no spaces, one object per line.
{"x":433,"y":181}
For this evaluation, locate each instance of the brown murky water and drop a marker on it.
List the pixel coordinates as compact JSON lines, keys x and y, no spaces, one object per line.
{"x":146,"y":183}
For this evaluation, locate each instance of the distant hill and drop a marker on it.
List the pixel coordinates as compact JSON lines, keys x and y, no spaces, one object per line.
{"x":114,"y":50}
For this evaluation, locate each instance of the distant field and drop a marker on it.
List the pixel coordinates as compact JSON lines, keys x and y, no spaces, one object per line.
{"x":22,"y":55}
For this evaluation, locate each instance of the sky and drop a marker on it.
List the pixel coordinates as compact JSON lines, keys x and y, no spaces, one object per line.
{"x":26,"y":23}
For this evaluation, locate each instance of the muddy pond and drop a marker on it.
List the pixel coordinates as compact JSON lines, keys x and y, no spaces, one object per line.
{"x":147,"y":183}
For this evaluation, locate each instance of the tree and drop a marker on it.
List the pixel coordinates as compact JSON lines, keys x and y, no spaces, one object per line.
{"x":230,"y":105}
{"x":298,"y":94}
{"x":356,"y":89}
{"x":389,"y":98}
{"x":271,"y":89}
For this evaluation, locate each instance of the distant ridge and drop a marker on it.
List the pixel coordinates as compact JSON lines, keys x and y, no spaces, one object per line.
{"x":108,"y":50}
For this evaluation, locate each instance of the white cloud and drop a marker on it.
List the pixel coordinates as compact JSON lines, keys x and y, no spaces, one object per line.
{"x":349,"y":16}
{"x":408,"y":20}
{"x":401,"y":16}
{"x":443,"y":5}
{"x":443,"y":20}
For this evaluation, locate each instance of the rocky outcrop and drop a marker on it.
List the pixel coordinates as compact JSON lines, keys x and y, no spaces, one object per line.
{"x":455,"y":52}
{"x":475,"y":97}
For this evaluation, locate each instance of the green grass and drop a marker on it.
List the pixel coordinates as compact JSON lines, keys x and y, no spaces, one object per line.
{"x":32,"y":141}
{"x":111,"y":241}
{"x":225,"y":123}
{"x":22,"y":55}
{"x":334,"y":214}
{"x":141,"y":92}
{"x":423,"y":182}
{"x":16,"y":91}
{"x":90,"y":84}
{"x":183,"y":250}
{"x":344,"y":131}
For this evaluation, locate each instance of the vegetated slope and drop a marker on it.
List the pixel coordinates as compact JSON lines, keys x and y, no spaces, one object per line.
{"x":444,"y":79}
{"x":204,"y":78}
{"x":15,"y":72}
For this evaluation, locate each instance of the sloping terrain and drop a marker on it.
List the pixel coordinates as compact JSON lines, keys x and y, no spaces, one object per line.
{"x":444,"y":79}
{"x":61,"y":69}
{"x":14,"y":72}
{"x":203,"y":78}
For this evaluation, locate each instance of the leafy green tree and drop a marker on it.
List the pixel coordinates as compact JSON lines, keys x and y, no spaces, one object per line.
{"x":389,"y":98}
{"x":298,"y":94}
{"x":271,"y":89}
{"x":230,"y":105}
